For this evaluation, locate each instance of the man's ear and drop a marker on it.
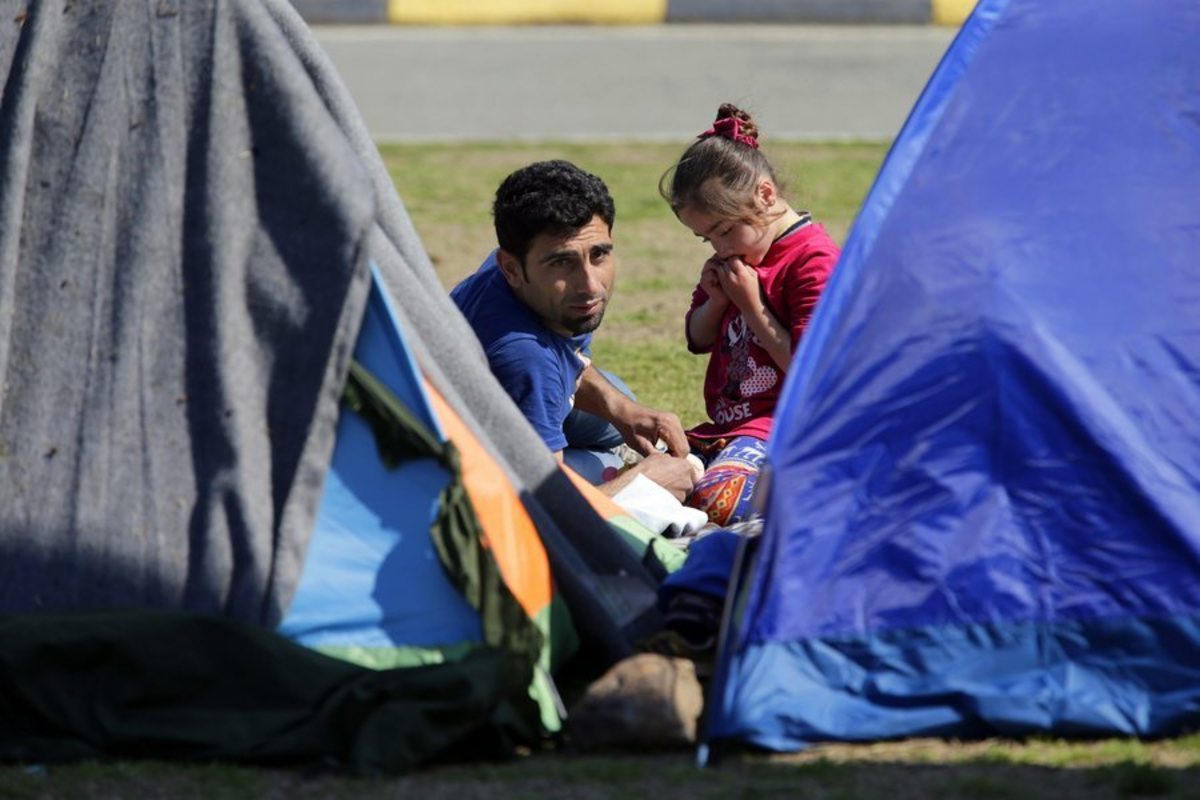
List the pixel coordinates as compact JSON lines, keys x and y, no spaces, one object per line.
{"x":511,"y":267}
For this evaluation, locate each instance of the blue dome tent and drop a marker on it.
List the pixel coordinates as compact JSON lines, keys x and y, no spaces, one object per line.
{"x":984,"y":516}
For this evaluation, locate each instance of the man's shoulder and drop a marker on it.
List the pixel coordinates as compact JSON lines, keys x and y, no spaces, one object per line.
{"x":490,"y":307}
{"x":482,"y":281}
{"x":517,"y":345}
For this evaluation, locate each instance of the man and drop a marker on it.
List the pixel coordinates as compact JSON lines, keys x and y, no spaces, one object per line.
{"x":534,"y":304}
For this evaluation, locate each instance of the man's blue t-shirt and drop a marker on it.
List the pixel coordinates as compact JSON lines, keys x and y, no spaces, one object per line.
{"x":536,"y":366}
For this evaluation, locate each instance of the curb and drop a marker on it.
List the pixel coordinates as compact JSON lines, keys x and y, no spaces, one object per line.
{"x":634,"y":12}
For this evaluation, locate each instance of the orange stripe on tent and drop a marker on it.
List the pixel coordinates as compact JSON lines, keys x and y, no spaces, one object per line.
{"x":511,"y":534}
{"x":605,"y":506}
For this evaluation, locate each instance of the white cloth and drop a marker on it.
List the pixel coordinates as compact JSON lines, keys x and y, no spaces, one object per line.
{"x":657,"y":509}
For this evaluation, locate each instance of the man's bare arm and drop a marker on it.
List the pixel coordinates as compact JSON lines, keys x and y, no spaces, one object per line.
{"x":641,"y":427}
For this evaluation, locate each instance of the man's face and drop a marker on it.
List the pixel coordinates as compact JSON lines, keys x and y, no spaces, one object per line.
{"x":566,"y":279}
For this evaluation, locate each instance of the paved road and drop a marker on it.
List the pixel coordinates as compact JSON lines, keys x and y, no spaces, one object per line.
{"x":659,"y":82}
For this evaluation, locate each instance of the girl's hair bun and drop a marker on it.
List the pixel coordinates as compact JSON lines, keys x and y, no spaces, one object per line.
{"x":746,"y":123}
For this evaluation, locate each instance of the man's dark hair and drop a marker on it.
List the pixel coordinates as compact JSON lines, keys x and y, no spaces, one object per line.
{"x":554,"y":197}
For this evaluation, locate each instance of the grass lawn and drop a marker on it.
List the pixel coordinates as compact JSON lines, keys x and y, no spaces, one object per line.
{"x":448,"y":190}
{"x":915,"y":770}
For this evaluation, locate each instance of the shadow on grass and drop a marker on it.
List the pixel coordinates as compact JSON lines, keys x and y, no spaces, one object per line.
{"x":661,"y":776}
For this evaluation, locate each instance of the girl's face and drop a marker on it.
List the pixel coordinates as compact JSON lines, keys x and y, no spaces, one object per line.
{"x":735,"y":237}
{"x":729,"y":237}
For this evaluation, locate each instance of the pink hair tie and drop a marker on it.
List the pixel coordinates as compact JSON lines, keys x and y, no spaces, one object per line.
{"x":730,"y":128}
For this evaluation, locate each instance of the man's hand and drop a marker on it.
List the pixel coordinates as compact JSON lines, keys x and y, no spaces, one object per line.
{"x":675,"y":475}
{"x":642,"y":428}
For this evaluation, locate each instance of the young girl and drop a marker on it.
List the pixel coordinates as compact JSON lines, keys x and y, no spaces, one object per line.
{"x":754,"y":299}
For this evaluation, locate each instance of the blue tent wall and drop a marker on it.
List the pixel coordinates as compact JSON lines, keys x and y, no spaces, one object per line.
{"x":373,"y":589}
{"x":985,"y":511}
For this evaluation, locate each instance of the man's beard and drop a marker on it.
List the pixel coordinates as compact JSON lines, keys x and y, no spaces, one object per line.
{"x":581,"y":325}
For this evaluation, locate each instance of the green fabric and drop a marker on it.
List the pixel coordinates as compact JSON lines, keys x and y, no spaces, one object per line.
{"x":456,"y":533}
{"x":655,"y":551}
{"x":156,"y":684}
{"x":394,"y":657}
{"x":558,"y":629}
{"x":556,"y":624}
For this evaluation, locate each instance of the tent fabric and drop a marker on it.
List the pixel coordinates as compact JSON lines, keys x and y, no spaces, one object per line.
{"x":196,"y":237}
{"x":660,"y":556}
{"x":710,"y":561}
{"x":464,"y":550}
{"x":176,"y":685}
{"x":607,"y":588}
{"x":359,"y":589}
{"x":396,"y":495}
{"x":985,"y":508}
{"x":172,"y":359}
{"x":458,"y":536}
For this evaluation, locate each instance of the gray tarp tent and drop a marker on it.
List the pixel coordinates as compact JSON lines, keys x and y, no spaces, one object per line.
{"x":189,"y":210}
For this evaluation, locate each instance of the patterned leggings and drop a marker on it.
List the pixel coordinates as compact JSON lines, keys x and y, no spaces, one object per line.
{"x":731,"y":467}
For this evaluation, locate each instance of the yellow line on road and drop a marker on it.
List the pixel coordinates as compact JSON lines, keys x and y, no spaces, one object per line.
{"x":518,"y":12}
{"x":952,"y":12}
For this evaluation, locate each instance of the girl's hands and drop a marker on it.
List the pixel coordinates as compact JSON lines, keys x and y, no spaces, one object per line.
{"x":710,"y":281}
{"x":738,"y":281}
